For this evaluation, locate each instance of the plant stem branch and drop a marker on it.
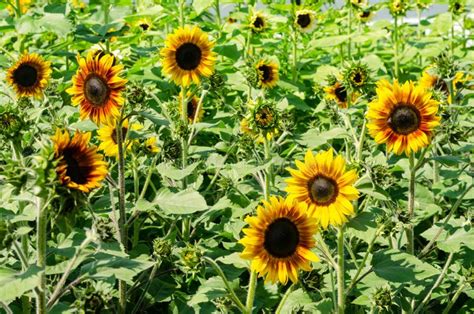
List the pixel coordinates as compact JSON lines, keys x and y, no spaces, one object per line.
{"x":454,"y":299}
{"x":395,"y":35}
{"x":411,"y":205}
{"x":41,"y":253}
{"x":284,"y":298}
{"x":436,"y":284}
{"x":231,"y":291}
{"x":340,"y":270}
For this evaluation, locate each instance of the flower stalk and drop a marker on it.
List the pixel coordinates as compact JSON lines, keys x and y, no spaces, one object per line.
{"x":395,"y":39}
{"x":411,"y":205}
{"x":340,"y":271}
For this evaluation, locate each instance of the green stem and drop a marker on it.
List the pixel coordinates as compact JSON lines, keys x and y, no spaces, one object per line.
{"x":182,"y":4}
{"x":418,"y":33}
{"x":349,"y":30}
{"x":145,"y":290}
{"x":218,"y":17}
{"x":106,"y":6}
{"x":284,"y":298}
{"x":436,"y":284}
{"x":340,"y":271}
{"x":411,"y":205}
{"x":122,"y":212}
{"x":452,"y":34}
{"x":251,"y":292}
{"x":295,"y":54}
{"x":454,"y":299}
{"x":41,"y":254}
{"x":18,"y":8}
{"x":268,"y":175}
{"x":186,"y":227}
{"x":231,"y":291}
{"x":395,"y":35}
{"x":360,"y":145}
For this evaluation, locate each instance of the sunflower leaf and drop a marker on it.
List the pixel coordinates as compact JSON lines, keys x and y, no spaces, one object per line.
{"x":181,"y":203}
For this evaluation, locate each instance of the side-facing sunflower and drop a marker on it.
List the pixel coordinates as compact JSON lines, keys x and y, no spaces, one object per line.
{"x":79,"y":167}
{"x":258,"y":22}
{"x":108,"y":137}
{"x":431,"y":81}
{"x":97,"y":87}
{"x":151,"y":146}
{"x":305,"y":20}
{"x":192,"y":107}
{"x":365,"y":14}
{"x":323,"y":183}
{"x":338,"y":93}
{"x":29,"y":75}
{"x":402,"y":116}
{"x":188,"y":55}
{"x":279,"y":240}
{"x":267,"y":72}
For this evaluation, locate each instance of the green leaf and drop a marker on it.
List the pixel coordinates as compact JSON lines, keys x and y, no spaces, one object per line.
{"x":295,"y":300}
{"x":314,"y":138}
{"x":230,"y":51}
{"x":211,"y":289}
{"x":397,"y":266}
{"x":167,"y":170}
{"x":18,"y":284}
{"x":201,"y":5}
{"x":181,"y":203}
{"x":448,"y":160}
{"x":56,"y":23}
{"x":84,"y":126}
{"x":454,"y":235}
{"x":363,"y":226}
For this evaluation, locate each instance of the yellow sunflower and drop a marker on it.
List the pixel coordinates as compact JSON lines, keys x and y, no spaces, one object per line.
{"x":323,"y":183}
{"x":434,"y":82}
{"x":29,"y":75}
{"x":365,"y":15}
{"x":267,"y":73}
{"x":150,"y":145}
{"x":108,"y":137}
{"x":188,"y":55}
{"x":305,"y":20}
{"x":145,"y":24}
{"x":258,"y":22}
{"x":279,"y":240}
{"x":79,"y":167}
{"x":97,"y":87}
{"x":402,"y":116}
{"x":192,"y":106}
{"x":338,"y":93}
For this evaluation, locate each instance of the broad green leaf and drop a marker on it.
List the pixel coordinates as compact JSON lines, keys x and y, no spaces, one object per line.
{"x":84,"y":126}
{"x":17,"y":285}
{"x":454,"y":235}
{"x":297,"y":299}
{"x":211,"y":289}
{"x":201,"y":5}
{"x":169,"y":171}
{"x":397,"y":266}
{"x":363,"y":226}
{"x":181,"y":203}
{"x":314,"y":138}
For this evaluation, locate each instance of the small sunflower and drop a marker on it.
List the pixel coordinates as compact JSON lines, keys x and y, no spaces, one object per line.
{"x":150,"y":145}
{"x":267,"y":72}
{"x":434,"y":82}
{"x":356,"y":75}
{"x":97,"y":87}
{"x":323,"y":183}
{"x":305,"y":20}
{"x":29,"y":75}
{"x":145,"y":24}
{"x":338,"y":93}
{"x":192,"y":106}
{"x":365,"y":15}
{"x":258,"y":22}
{"x":359,"y":2}
{"x":279,"y":240}
{"x":108,"y":137}
{"x":398,"y":7}
{"x":188,"y":55}
{"x":79,"y":167}
{"x":402,"y":116}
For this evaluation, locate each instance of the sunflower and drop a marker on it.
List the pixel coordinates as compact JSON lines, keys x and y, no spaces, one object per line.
{"x":267,"y":72}
{"x":97,"y":87}
{"x":79,"y":167}
{"x":145,"y":24}
{"x":258,"y":22}
{"x":433,"y":82}
{"x":305,"y":20}
{"x":359,"y":2}
{"x":108,"y":137}
{"x":338,"y":93}
{"x":365,"y":15}
{"x":403,"y":116}
{"x":279,"y":240}
{"x":150,"y":145}
{"x":192,"y":106}
{"x":29,"y":75}
{"x":323,"y":183}
{"x":187,"y":55}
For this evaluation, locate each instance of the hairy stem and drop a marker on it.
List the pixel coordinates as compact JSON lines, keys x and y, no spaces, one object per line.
{"x":340,"y":271}
{"x":411,"y":206}
{"x":284,"y":298}
{"x":41,"y":224}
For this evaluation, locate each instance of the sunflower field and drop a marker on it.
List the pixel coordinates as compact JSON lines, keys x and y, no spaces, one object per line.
{"x":226,"y":156}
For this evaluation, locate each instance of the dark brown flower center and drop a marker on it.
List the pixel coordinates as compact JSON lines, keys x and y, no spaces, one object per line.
{"x":264,"y":117}
{"x":357,"y":78}
{"x":74,"y":170}
{"x":115,"y":137}
{"x":192,"y":107}
{"x":442,"y":86}
{"x":303,"y":20}
{"x":266,"y":72}
{"x":25,"y":75}
{"x":365,"y":14}
{"x":281,"y":238}
{"x":188,"y":56}
{"x":258,"y":23}
{"x":341,"y":93}
{"x":144,"y":26}
{"x":323,"y":190}
{"x":404,"y":119}
{"x":96,"y":90}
